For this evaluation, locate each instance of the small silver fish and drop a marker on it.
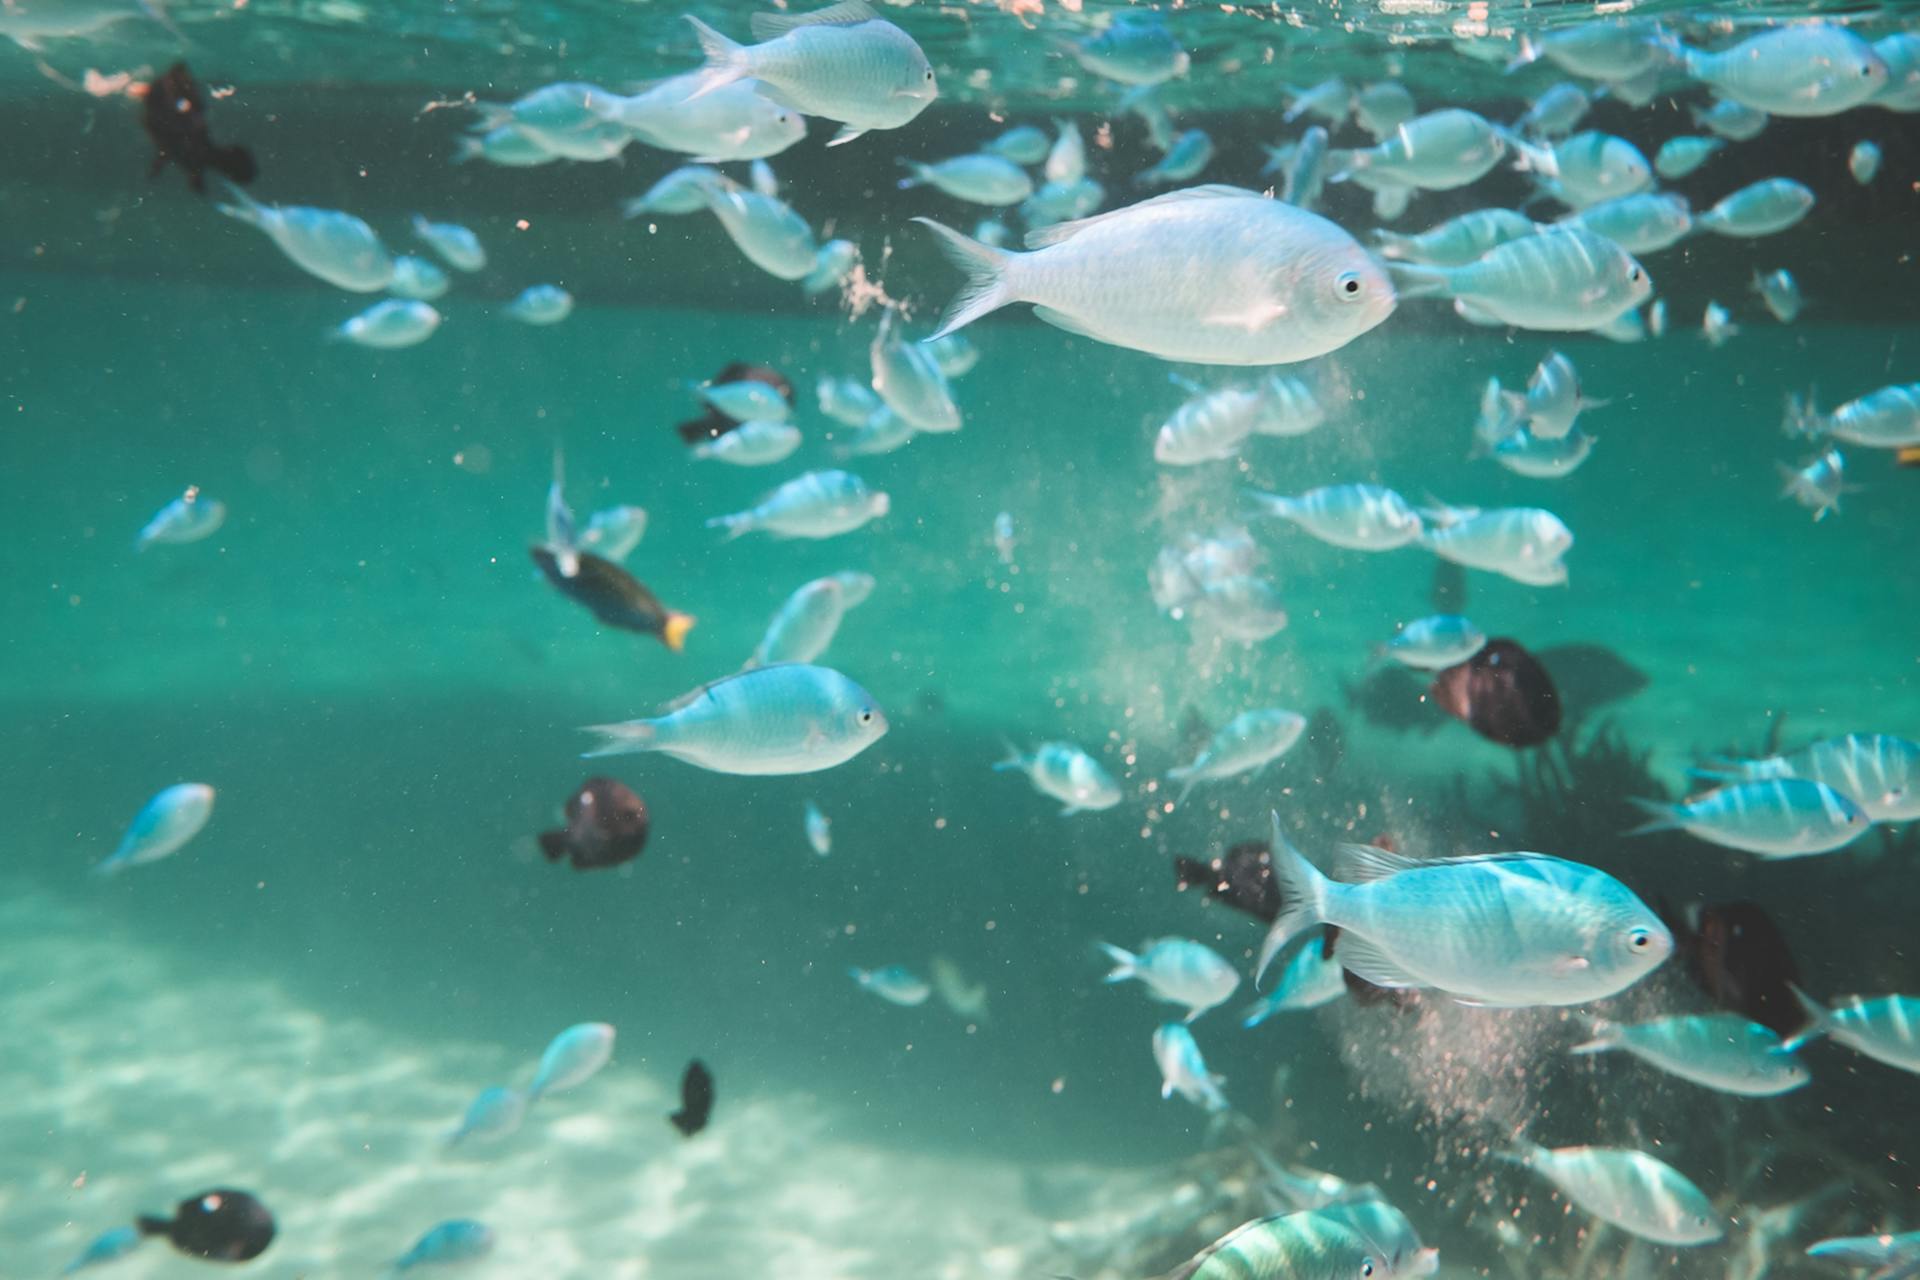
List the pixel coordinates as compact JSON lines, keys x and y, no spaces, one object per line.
{"x":1877,"y":771}
{"x":817,"y":504}
{"x":1438,"y":151}
{"x":325,"y":243}
{"x":833,"y":262}
{"x":682,"y":191}
{"x":1136,"y":49}
{"x":1816,"y":484}
{"x":896,"y":984}
{"x":1885,"y":1028}
{"x":751,"y":444}
{"x":1178,"y":971}
{"x":494,"y":1114}
{"x":1774,"y":818}
{"x":1644,"y":223}
{"x":541,"y":304}
{"x":458,"y":247}
{"x":1717,"y":326}
{"x":1863,"y":162}
{"x":1885,"y":419}
{"x":1183,"y":1070}
{"x":771,"y":235}
{"x":1630,"y":1189}
{"x":1067,"y":774}
{"x":1802,"y":69}
{"x":1435,"y":643}
{"x":417,"y":277}
{"x":1680,"y":156}
{"x":1720,"y":1051}
{"x":188,"y":518}
{"x":162,"y":827}
{"x":572,"y":1058}
{"x":1781,"y":292}
{"x":1763,"y":208}
{"x":1888,"y":1256}
{"x":1310,"y":980}
{"x":1734,"y":121}
{"x":1382,"y":107}
{"x":1250,"y":741}
{"x":805,"y":625}
{"x":1563,"y":278}
{"x":784,"y":719}
{"x":1459,"y":240}
{"x":908,"y":379}
{"x":1022,"y":144}
{"x":1185,"y":160}
{"x":1362,"y":517}
{"x":819,"y":830}
{"x":390,"y":324}
{"x":984,"y":178}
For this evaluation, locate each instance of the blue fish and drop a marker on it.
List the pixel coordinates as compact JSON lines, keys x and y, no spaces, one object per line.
{"x":106,"y":1247}
{"x":454,"y":1241}
{"x":573,"y":1057}
{"x":496,"y":1113}
{"x":162,"y":826}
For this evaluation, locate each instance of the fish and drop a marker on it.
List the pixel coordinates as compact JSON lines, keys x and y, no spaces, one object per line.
{"x":174,"y":114}
{"x":734,"y":122}
{"x":1863,"y":162}
{"x":967,"y":999}
{"x":1006,"y":541}
{"x":454,"y":244}
{"x":1680,"y":156}
{"x":896,"y":984}
{"x":908,"y":379}
{"x":391,"y":324}
{"x":767,"y":231}
{"x":1305,"y":175}
{"x":1632,"y":1190}
{"x":1066,"y":163}
{"x":1646,"y":222}
{"x":1387,"y":1230}
{"x":1503,"y":693}
{"x":1774,"y":818}
{"x":1562,"y":278}
{"x":784,"y":719}
{"x":496,"y":1113}
{"x":1526,"y":454}
{"x":162,"y":828}
{"x":715,"y":423}
{"x":549,"y":112}
{"x":755,"y":443}
{"x":108,"y":1246}
{"x":1586,"y":169}
{"x":1657,"y":318}
{"x":1805,"y":69}
{"x":1022,"y":144}
{"x":848,"y":401}
{"x":1817,"y":483}
{"x":1737,"y":956}
{"x":819,"y":830}
{"x":1310,"y":980}
{"x":1439,"y":151}
{"x":418,"y":278}
{"x":1556,"y":113}
{"x":1781,"y":292}
{"x":1435,"y":642}
{"x":1885,"y":419}
{"x":328,"y":244}
{"x":1240,"y":607}
{"x":884,"y":431}
{"x":680,"y":192}
{"x":816,"y":504}
{"x":1066,"y":773}
{"x":1458,"y":240}
{"x":1178,"y":971}
{"x":1135,"y":49}
{"x":1181,"y":574}
{"x":806,"y":624}
{"x":833,"y":263}
{"x":1607,"y":50}
{"x":188,"y":518}
{"x":1717,"y":326}
{"x":1877,"y":771}
{"x":1249,"y":741}
{"x":1505,"y":929}
{"x":1185,"y":160}
{"x":607,"y":824}
{"x":1763,"y":208}
{"x":541,"y":304}
{"x":1523,"y":543}
{"x":1901,"y":52}
{"x":1217,"y":275}
{"x":1311,"y":1189}
{"x":982,"y":178}
{"x":1720,"y":1051}
{"x":1242,"y":879}
{"x":1361,"y":517}
{"x":955,"y":354}
{"x":613,"y":596}
{"x":1184,"y":1071}
{"x":1331,"y":100}
{"x":220,"y":1225}
{"x":1304,"y":1245}
{"x":1210,"y":426}
{"x":1884,"y":1028}
{"x":1286,"y":407}
{"x":572,"y":1058}
{"x":1887,"y":1256}
{"x":1734,"y":121}
{"x":449,"y":1243}
{"x":843,"y":63}
{"x":1060,"y":202}
{"x":1382,"y":107}
{"x":696,"y":1100}
{"x":613,"y":533}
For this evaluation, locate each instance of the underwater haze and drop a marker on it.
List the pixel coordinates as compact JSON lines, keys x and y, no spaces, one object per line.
{"x":1452,"y":541}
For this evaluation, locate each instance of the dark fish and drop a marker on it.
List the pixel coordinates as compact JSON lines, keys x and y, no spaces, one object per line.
{"x":1243,"y":879}
{"x":696,"y":1099}
{"x":176,"y":120}
{"x":712,"y":424}
{"x":219,"y":1225}
{"x":616,"y":597}
{"x":1503,"y":694}
{"x":607,"y":824}
{"x":1735,"y":953}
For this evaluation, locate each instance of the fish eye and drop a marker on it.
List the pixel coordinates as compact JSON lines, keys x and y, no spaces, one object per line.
{"x":929,"y":75}
{"x":1366,"y":1268}
{"x":1348,"y":285}
{"x":1634,"y":275}
{"x":1640,"y":939}
{"x":866,"y":715}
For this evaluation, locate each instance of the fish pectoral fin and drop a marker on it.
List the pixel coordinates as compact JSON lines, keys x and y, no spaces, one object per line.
{"x":1363,"y":959}
{"x":1061,"y":320}
{"x":847,"y":134}
{"x":1257,"y":316}
{"x":1572,"y":964}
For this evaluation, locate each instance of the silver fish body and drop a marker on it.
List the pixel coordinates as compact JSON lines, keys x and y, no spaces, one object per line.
{"x":785,"y":719}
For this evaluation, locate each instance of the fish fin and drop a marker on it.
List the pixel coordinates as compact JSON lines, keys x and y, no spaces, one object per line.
{"x":1303,"y":895}
{"x":1391,"y":244}
{"x":848,"y":13}
{"x":986,"y":287}
{"x":1067,"y":811}
{"x":847,"y":133}
{"x":1602,"y":1037}
{"x":1166,"y":1090}
{"x":466,"y":147}
{"x":1188,"y":777}
{"x":1041,"y":237}
{"x":553,"y":844}
{"x":244,"y":206}
{"x":1014,"y":760}
{"x":674,"y":634}
{"x":1360,"y":863}
{"x":736,"y":525}
{"x":1063,"y":322}
{"x":1660,"y":817}
{"x":726,"y":59}
{"x":1125,"y":963}
{"x":1528,"y":55}
{"x":1821,"y":1020}
{"x":1363,"y":959}
{"x":1414,"y":281}
{"x":623,"y":738}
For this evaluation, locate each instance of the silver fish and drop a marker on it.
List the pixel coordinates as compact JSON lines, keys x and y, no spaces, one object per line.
{"x":1877,"y":771}
{"x":1630,"y":1189}
{"x":1765,"y":208}
{"x":326,"y":243}
{"x":1803,"y":69}
{"x":1066,"y":773}
{"x":390,"y":324}
{"x":1177,"y":970}
{"x":1184,"y":1071}
{"x":1885,"y":419}
{"x":456,"y":246}
{"x":188,"y":518}
{"x":1362,"y":517}
{"x":1438,"y":151}
{"x":1720,"y":1051}
{"x":1773,"y":817}
{"x":818,"y":504}
{"x":790,"y":718}
{"x":1680,"y":156}
{"x":1249,"y":741}
{"x":1563,"y":278}
{"x":162,"y":827}
{"x":807,"y":622}
{"x":982,"y":178}
{"x":1885,"y":1028}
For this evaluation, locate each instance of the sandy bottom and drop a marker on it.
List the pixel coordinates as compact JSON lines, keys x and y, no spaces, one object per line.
{"x":116,"y":1100}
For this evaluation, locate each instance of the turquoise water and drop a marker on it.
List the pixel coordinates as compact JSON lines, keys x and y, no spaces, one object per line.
{"x":387,"y":697}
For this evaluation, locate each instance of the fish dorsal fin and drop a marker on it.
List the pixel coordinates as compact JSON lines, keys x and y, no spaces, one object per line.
{"x":1365,"y":960}
{"x":1059,"y":231}
{"x":771,"y":26}
{"x":698,"y":692}
{"x":1360,"y":863}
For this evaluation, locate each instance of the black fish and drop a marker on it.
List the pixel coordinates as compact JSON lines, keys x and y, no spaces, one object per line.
{"x":712,"y":424}
{"x":176,"y":121}
{"x":696,"y":1099}
{"x":1243,"y":879}
{"x":219,"y":1225}
{"x":1503,"y":694}
{"x":615,"y":597}
{"x":607,"y":824}
{"x":1735,"y":953}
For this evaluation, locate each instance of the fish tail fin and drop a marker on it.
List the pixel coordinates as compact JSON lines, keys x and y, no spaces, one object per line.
{"x":1528,"y":55}
{"x":986,"y":269}
{"x":1303,"y":898}
{"x":238,"y":203}
{"x":1391,"y":244}
{"x":674,"y":634}
{"x":1187,"y":776}
{"x":916,"y":174}
{"x":622,"y":739}
{"x":1013,"y":759}
{"x":1660,"y":816}
{"x":1413,"y":281}
{"x":1819,"y":1020}
{"x":1601,"y":1036}
{"x":1803,"y":417}
{"x":726,"y":59}
{"x":737,"y":524}
{"x":467,"y":148}
{"x":1125,"y":963}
